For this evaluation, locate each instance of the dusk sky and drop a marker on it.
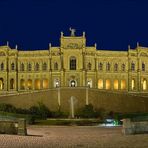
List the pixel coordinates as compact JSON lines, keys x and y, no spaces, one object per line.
{"x":112,"y":24}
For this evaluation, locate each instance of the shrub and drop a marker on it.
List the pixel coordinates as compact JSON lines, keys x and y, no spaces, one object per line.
{"x":7,"y":108}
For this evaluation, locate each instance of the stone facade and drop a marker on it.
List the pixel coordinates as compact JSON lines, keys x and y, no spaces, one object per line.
{"x":73,"y":64}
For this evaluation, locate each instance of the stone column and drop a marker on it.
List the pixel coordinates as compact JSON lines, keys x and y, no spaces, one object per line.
{"x":86,"y":96}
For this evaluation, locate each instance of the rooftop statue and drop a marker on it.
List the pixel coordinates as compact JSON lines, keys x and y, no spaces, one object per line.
{"x":72,"y":31}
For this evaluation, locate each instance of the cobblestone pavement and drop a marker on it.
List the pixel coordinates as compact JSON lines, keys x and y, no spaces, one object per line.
{"x":74,"y":137}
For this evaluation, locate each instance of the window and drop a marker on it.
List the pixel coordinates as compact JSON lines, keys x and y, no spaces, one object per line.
{"x":2,"y":66}
{"x":89,"y":66}
{"x":100,"y":66}
{"x":12,"y":84}
{"x":22,"y":67}
{"x":29,"y":67}
{"x":72,"y":63}
{"x":143,"y":67}
{"x":1,"y":83}
{"x":116,"y":85}
{"x":44,"y":66}
{"x":144,"y":85}
{"x":100,"y":84}
{"x":108,"y":86}
{"x":12,"y":66}
{"x":133,"y":84}
{"x":132,"y":66}
{"x":55,"y":66}
{"x":123,"y":67}
{"x":123,"y":84}
{"x":37,"y":66}
{"x":108,"y":67}
{"x":116,"y":67}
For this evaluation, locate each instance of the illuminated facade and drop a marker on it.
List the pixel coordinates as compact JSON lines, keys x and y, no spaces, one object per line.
{"x":73,"y":64}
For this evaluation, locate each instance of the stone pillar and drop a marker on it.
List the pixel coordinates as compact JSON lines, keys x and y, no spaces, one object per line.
{"x":86,"y":96}
{"x":59,"y":97}
{"x":22,"y":130}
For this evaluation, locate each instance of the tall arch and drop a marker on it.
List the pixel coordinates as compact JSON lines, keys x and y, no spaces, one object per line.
{"x":45,"y":83}
{"x":72,"y":63}
{"x":11,"y":83}
{"x":108,"y":84}
{"x":144,"y":84}
{"x":123,"y":84}
{"x":22,"y":84}
{"x":133,"y":84}
{"x":37,"y":84}
{"x":29,"y":84}
{"x":1,"y":83}
{"x":116,"y":84}
{"x":100,"y":84}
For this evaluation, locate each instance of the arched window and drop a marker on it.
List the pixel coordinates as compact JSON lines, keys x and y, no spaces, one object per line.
{"x":108,"y":67}
{"x":123,"y":84}
{"x":100,"y":66}
{"x":100,"y":84}
{"x":1,"y":83}
{"x":12,"y":66}
{"x":22,"y":84}
{"x":37,"y":84}
{"x":37,"y":67}
{"x":2,"y":66}
{"x":133,"y":84}
{"x":29,"y":67}
{"x":11,"y":83}
{"x":116,"y":67}
{"x":116,"y":84}
{"x":89,"y":66}
{"x":44,"y":66}
{"x":29,"y":84}
{"x":45,"y":83}
{"x":72,"y":63}
{"x":123,"y":67}
{"x":143,"y":67}
{"x":133,"y":66}
{"x":144,"y":85}
{"x":108,"y":86}
{"x":73,"y":83}
{"x":22,"y":67}
{"x":55,"y":66}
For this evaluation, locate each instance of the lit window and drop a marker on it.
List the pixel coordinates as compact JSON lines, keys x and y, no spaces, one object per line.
{"x":108,"y":84}
{"x":133,"y":84}
{"x":116,"y":85}
{"x":144,"y":84}
{"x":143,"y":67}
{"x":72,"y":63}
{"x":100,"y":84}
{"x":123,"y":84}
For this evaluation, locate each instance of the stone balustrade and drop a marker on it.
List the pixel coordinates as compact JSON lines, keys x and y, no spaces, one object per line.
{"x":130,"y":127}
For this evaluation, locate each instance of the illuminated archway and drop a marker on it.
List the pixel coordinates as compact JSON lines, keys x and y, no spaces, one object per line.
{"x":1,"y":83}
{"x":37,"y":84}
{"x":133,"y":84}
{"x":100,"y":84}
{"x":45,"y":83}
{"x":144,"y":85}
{"x":22,"y":84}
{"x":123,"y":84}
{"x":116,"y":84}
{"x":29,"y":84}
{"x":11,"y":83}
{"x":108,"y":86}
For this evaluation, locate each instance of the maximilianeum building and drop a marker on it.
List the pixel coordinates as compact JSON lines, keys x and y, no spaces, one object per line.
{"x":73,"y":64}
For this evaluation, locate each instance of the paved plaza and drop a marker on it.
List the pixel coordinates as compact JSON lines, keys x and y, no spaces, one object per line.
{"x":74,"y":137}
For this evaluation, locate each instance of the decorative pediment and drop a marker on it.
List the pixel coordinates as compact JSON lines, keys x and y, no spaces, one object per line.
{"x":143,"y":54}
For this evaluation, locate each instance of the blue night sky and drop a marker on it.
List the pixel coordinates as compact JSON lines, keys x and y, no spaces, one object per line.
{"x":112,"y":24}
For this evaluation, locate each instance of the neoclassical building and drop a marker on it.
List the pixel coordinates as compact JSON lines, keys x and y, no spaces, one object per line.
{"x":73,"y":64}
